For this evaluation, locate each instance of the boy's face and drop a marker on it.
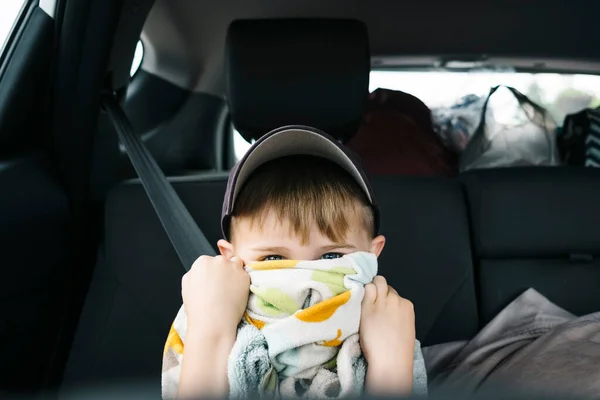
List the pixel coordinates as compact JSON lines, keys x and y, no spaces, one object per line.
{"x":276,"y":240}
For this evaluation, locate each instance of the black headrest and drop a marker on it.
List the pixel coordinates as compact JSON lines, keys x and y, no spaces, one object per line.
{"x":297,"y":71}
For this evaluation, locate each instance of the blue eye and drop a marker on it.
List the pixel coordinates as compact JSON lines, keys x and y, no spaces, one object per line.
{"x":331,"y":256}
{"x":272,"y":258}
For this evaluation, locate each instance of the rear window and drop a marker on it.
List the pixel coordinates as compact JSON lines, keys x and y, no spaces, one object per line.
{"x":560,"y":94}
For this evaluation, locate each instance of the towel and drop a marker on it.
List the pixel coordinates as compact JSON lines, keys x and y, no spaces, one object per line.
{"x":299,"y":335}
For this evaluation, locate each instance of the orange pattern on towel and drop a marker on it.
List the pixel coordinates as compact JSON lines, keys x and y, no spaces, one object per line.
{"x":324,"y":310}
{"x":257,"y":323}
{"x":173,"y":341}
{"x":332,"y":343}
{"x":270,"y":265}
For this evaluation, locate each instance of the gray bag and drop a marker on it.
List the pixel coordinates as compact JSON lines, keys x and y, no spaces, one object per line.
{"x":529,"y":141}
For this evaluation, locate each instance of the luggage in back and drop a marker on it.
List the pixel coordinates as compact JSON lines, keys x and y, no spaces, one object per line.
{"x":579,"y":143}
{"x":396,"y":137}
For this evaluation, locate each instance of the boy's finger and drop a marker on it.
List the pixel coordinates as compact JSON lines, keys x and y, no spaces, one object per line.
{"x":184,"y":279}
{"x":381,"y":285}
{"x":370,"y":294}
{"x":237,"y":261}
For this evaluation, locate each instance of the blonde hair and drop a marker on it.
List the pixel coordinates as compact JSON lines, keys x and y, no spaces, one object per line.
{"x":305,"y":190}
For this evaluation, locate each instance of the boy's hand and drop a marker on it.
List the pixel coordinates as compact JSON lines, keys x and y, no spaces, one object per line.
{"x":387,"y":338}
{"x":215,"y":294}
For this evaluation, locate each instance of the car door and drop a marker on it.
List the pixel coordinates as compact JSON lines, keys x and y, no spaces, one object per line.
{"x":34,"y":212}
{"x":53,"y":69}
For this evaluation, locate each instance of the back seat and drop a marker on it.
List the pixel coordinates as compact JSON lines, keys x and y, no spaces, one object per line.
{"x":136,"y":287}
{"x":427,"y":257}
{"x":135,"y":291}
{"x":530,"y":228}
{"x":536,"y":227}
{"x":434,"y":226}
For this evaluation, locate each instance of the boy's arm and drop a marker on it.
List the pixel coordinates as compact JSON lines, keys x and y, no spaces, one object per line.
{"x":389,"y":375}
{"x":215,"y":294}
{"x":204,"y":364}
{"x":387,"y":338}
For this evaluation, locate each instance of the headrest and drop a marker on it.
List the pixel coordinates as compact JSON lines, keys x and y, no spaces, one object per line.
{"x":311,"y":72}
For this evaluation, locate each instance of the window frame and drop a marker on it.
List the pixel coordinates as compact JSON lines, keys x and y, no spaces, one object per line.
{"x":15,"y":33}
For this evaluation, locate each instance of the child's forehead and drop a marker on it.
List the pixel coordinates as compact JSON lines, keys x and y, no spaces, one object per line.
{"x":270,"y":224}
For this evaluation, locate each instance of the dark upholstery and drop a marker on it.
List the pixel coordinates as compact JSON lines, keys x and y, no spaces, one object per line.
{"x":427,"y":257}
{"x":460,"y":249}
{"x":136,"y":290}
{"x":536,"y":227}
{"x":297,"y":72}
{"x":34,"y":280}
{"x":529,"y":228}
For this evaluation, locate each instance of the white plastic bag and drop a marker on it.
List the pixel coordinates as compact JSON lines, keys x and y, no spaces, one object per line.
{"x":456,"y":125}
{"x":526,"y":139}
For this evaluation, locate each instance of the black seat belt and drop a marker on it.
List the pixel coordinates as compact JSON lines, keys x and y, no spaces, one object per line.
{"x":185,"y":235}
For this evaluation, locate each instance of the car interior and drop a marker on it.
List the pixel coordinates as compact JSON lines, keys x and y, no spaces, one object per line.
{"x":90,"y":280}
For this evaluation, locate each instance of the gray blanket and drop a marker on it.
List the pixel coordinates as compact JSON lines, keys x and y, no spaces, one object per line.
{"x":532,"y":344}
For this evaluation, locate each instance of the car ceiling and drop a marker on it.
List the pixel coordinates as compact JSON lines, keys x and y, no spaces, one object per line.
{"x":184,"y":39}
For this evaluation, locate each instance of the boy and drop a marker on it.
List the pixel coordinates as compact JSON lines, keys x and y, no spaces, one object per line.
{"x":298,"y":195}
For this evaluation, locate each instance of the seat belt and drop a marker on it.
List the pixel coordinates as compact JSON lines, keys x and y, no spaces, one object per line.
{"x":185,"y":235}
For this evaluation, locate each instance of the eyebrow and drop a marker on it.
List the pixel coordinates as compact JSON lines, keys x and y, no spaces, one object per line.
{"x":338,"y":246}
{"x":285,"y":249}
{"x":271,"y":249}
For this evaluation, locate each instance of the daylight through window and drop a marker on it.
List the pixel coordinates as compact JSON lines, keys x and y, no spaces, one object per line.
{"x":9,"y":11}
{"x":560,"y":94}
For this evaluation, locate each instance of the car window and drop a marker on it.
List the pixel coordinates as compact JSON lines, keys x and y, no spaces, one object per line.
{"x":560,"y":94}
{"x":9,"y":11}
{"x":240,"y":145}
{"x":137,"y":58}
